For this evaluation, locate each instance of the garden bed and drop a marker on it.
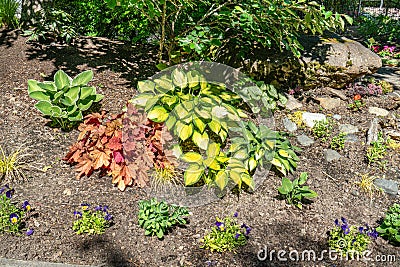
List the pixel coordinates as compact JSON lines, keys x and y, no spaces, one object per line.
{"x":55,"y":194}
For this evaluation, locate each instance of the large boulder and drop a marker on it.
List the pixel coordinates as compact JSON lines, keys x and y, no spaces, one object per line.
{"x":331,"y":61}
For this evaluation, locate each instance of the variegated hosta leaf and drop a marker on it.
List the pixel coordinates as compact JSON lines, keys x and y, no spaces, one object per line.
{"x":193,"y":174}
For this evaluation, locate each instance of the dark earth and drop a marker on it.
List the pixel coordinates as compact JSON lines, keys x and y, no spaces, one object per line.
{"x":55,"y":194}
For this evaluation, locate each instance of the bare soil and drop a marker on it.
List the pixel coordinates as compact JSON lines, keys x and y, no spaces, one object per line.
{"x":56,"y":194}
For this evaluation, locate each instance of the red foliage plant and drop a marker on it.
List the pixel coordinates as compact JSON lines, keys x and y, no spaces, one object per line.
{"x":125,"y":146}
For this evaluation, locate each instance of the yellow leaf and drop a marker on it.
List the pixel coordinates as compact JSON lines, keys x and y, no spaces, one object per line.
{"x":248,"y":180}
{"x":213,"y":150}
{"x":252,"y":164}
{"x":186,"y":131}
{"x":221,"y":179}
{"x":193,"y":174}
{"x":201,"y":140}
{"x":179,"y":78}
{"x":283,"y":153}
{"x":192,"y":157}
{"x":158,"y":114}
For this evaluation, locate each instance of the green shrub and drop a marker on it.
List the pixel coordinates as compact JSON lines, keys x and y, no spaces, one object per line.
{"x":294,"y":193}
{"x":390,"y":227}
{"x":381,"y":28}
{"x":377,"y":150}
{"x":338,"y":141}
{"x":322,"y":129}
{"x":8,"y":11}
{"x":157,"y":218}
{"x":92,"y":222}
{"x":65,"y":99}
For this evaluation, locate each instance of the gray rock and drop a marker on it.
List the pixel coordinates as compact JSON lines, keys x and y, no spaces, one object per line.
{"x":348,"y":129}
{"x":331,"y":155}
{"x":378,"y":111}
{"x":328,"y":103}
{"x":389,"y":186}
{"x":292,"y":103}
{"x":337,"y":117}
{"x":304,"y":140}
{"x":310,"y":118}
{"x":337,"y":93}
{"x":352,"y":138}
{"x":289,"y":125}
{"x":373,"y":130}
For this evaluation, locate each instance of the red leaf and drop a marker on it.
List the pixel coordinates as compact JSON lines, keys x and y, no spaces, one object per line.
{"x":114,"y":143}
{"x":84,"y":167}
{"x":100,"y":158}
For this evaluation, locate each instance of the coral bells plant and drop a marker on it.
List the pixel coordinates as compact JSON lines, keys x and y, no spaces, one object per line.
{"x":350,"y":240}
{"x":92,"y":221}
{"x":126,"y":155}
{"x":13,"y":218}
{"x":226,"y":235}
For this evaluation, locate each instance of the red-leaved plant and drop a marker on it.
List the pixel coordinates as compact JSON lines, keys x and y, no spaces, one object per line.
{"x":125,"y":146}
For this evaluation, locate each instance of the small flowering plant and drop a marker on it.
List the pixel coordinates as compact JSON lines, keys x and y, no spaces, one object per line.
{"x":92,"y":221}
{"x":357,"y":103}
{"x":350,"y":240}
{"x":12,"y":217}
{"x":226,"y":235}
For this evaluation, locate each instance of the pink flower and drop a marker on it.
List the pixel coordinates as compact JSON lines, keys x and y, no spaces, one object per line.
{"x":118,"y":157}
{"x":375,"y":48}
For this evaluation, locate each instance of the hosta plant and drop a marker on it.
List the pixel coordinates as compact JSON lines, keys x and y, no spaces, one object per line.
{"x":295,"y":192}
{"x":92,"y":221}
{"x":65,"y":99}
{"x":390,"y":226}
{"x":157,"y":218}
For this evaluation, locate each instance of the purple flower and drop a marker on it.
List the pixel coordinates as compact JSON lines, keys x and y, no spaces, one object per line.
{"x":29,"y":232}
{"x":4,"y":188}
{"x":9,"y":193}
{"x":26,"y":206}
{"x":85,"y":206}
{"x":13,"y":218}
{"x":108,"y":217}
{"x":248,"y":229}
{"x":237,"y":236}
{"x":235,"y":214}
{"x":373,"y":233}
{"x":105,"y":208}
{"x":361,"y":229}
{"x":345,"y":229}
{"x":337,"y":222}
{"x":220,"y":225}
{"x":98,"y":208}
{"x":291,"y":92}
{"x":77,"y":214}
{"x":344,"y":220}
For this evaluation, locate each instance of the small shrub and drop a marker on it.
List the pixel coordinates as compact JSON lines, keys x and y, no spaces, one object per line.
{"x":65,"y":99}
{"x":92,"y":221}
{"x":12,"y":218}
{"x":12,"y":167}
{"x":294,"y":193}
{"x":8,"y":11}
{"x":337,"y":142}
{"x":322,"y":129}
{"x":226,"y":235}
{"x":350,"y":240}
{"x":157,"y":218}
{"x":390,"y":227}
{"x":377,"y":150}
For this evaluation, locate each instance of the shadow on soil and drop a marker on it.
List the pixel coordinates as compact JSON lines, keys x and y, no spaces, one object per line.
{"x":134,"y":62}
{"x":8,"y":37}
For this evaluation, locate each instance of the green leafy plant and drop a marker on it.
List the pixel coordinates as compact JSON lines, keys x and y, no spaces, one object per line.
{"x":322,"y":129}
{"x":8,"y":11}
{"x":390,"y":226}
{"x":377,"y":150}
{"x":381,"y":28}
{"x":157,"y":218}
{"x":356,"y":105}
{"x":294,"y":193}
{"x":92,"y":221}
{"x":350,"y":240}
{"x":65,"y":99}
{"x":12,"y":218}
{"x":337,"y":142}
{"x":12,"y":166}
{"x":226,"y":235}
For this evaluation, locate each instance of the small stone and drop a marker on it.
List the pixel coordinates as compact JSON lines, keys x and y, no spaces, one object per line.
{"x":310,"y":118}
{"x":67,"y":192}
{"x":372,"y":134}
{"x":378,"y":111}
{"x":348,"y":129}
{"x":389,"y":186}
{"x":304,"y":140}
{"x":337,"y":117}
{"x":328,"y":103}
{"x":331,"y":155}
{"x":261,"y":214}
{"x":180,"y":248}
{"x":394,"y":135}
{"x":292,"y":103}
{"x":197,"y":236}
{"x":355,"y":193}
{"x":289,"y":125}
{"x":352,"y":138}
{"x":337,"y":93}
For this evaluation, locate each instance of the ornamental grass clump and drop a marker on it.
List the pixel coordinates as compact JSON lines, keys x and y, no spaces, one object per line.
{"x":92,"y":221}
{"x":13,"y":218}
{"x":13,"y":165}
{"x":350,"y":240}
{"x":226,"y":235}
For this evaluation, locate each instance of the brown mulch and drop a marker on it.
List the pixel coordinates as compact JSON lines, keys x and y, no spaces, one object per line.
{"x":56,"y":194}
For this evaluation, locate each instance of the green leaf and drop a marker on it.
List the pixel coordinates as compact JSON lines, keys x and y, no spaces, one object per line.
{"x":82,"y":78}
{"x":44,"y":107}
{"x":85,"y":104}
{"x":61,"y":79}
{"x":34,"y":87}
{"x":39,"y":95}
{"x":202,"y":113}
{"x":97,"y":97}
{"x":170,"y":122}
{"x":193,"y":77}
{"x":221,"y":179}
{"x":199,"y":124}
{"x":193,"y":174}
{"x":286,"y":187}
{"x":164,"y":85}
{"x":87,"y":92}
{"x":248,"y":180}
{"x":158,"y":114}
{"x":48,"y":86}
{"x":77,"y":116}
{"x":192,"y":157}
{"x":146,"y":86}
{"x":215,"y":126}
{"x":73,"y":94}
{"x":303,"y":178}
{"x":179,"y":78}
